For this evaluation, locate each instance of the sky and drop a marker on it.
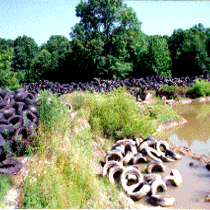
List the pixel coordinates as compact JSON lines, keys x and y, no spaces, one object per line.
{"x":40,"y":19}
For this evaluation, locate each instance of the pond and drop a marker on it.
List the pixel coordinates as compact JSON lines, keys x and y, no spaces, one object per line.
{"x":194,"y":134}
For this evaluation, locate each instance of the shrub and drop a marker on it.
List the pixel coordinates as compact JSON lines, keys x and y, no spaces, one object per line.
{"x":173,"y":92}
{"x":117,"y":111}
{"x":201,"y":88}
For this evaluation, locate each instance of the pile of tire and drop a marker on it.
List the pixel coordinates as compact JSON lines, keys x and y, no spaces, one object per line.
{"x":123,"y":166}
{"x":18,"y":122}
{"x":105,"y":85}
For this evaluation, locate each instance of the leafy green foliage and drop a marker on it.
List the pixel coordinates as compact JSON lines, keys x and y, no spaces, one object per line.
{"x":188,"y":52}
{"x":40,"y":65}
{"x":157,"y":59}
{"x":102,"y":39}
{"x":8,"y":78}
{"x":201,"y":88}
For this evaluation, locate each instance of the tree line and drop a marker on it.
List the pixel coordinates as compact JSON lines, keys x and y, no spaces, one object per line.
{"x":107,"y":43}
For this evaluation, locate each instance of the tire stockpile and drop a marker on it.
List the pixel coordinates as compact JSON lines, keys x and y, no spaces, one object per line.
{"x":96,"y":85}
{"x":18,"y":122}
{"x":123,"y":166}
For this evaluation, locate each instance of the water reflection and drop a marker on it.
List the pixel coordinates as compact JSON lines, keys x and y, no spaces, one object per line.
{"x":194,"y":134}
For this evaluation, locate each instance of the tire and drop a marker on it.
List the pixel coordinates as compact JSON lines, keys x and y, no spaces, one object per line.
{"x":128,"y":158}
{"x":155,"y":167}
{"x":164,"y":201}
{"x":114,"y":155}
{"x":119,"y":147}
{"x":109,"y":165}
{"x":8,"y":111}
{"x":20,"y":96}
{"x":3,"y":103}
{"x":172,"y":154}
{"x":17,"y":121}
{"x":158,"y":185}
{"x":151,"y":142}
{"x":30,"y":116}
{"x":19,"y":107}
{"x":161,"y":147}
{"x":139,"y":192}
{"x":142,"y":146}
{"x":10,"y":166}
{"x":177,"y":174}
{"x":130,"y":146}
{"x":152,"y":154}
{"x":125,"y":182}
{"x":2,"y":141}
{"x":115,"y":173}
{"x":138,"y":141}
{"x":9,"y":129}
{"x":139,"y":158}
{"x":24,"y":135}
{"x":173,"y":180}
{"x":32,"y":108}
{"x":150,"y":178}
{"x":166,"y":159}
{"x":30,"y":99}
{"x":2,"y":154}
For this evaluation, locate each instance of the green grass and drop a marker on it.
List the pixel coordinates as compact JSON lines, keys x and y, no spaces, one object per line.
{"x":6,"y":185}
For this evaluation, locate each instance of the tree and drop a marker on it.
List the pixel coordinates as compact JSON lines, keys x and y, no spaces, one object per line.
{"x":8,"y":78}
{"x":157,"y":60}
{"x":6,"y":43}
{"x":188,"y":52}
{"x":25,"y":50}
{"x":102,"y":39}
{"x":40,"y":66}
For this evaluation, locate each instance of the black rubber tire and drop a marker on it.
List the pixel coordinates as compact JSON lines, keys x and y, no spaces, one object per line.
{"x":17,"y":121}
{"x":164,"y":201}
{"x":8,"y":111}
{"x":10,"y":166}
{"x":109,"y":165}
{"x":114,"y":155}
{"x":2,"y":154}
{"x":20,"y":96}
{"x":2,"y":141}
{"x":2,"y":93}
{"x":3,"y":102}
{"x":30,"y":116}
{"x":19,"y":107}
{"x":139,"y":192}
{"x":30,"y":99}
{"x":31,"y":107}
{"x":4,"y":121}
{"x":7,"y":128}
{"x":24,"y":135}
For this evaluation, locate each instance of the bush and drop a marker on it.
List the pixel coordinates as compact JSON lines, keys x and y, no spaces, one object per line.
{"x":117,"y":111}
{"x":173,"y":92}
{"x":201,"y":88}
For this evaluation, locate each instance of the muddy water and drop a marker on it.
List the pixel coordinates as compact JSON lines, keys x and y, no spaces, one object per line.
{"x":194,"y":134}
{"x":191,"y":194}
